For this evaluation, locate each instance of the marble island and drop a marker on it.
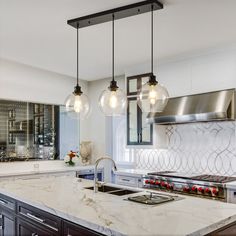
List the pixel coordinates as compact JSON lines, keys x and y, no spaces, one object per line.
{"x":65,"y":196}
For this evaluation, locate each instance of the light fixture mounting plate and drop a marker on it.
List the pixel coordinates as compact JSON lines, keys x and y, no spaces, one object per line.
{"x":119,"y":13}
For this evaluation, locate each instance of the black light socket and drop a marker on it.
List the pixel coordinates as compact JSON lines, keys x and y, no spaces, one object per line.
{"x":113,"y":86}
{"x":77,"y":90}
{"x":152,"y":80}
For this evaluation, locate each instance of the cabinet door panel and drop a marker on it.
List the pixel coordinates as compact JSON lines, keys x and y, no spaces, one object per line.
{"x":132,"y":121}
{"x":28,"y":229}
{"x":139,"y":132}
{"x":7,"y":223}
{"x":146,"y":130}
{"x":71,"y":229}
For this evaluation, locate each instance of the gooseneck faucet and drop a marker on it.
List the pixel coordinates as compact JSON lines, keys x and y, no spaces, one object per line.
{"x":95,"y":188}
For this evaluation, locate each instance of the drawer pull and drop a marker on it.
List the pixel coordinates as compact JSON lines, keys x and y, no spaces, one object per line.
{"x":39,"y":220}
{"x":127,"y":180}
{"x":3,"y":202}
{"x":35,"y":217}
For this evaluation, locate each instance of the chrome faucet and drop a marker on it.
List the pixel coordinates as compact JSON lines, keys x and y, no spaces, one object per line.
{"x":95,"y":187}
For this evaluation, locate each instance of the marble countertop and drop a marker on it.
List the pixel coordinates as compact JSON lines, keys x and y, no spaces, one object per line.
{"x":10,"y":169}
{"x":66,"y":197}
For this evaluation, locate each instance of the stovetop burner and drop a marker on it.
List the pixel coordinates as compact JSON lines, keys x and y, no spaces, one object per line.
{"x":206,"y":178}
{"x":214,"y":178}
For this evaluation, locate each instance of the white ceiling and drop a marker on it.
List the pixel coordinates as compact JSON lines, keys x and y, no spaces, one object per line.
{"x":35,"y":32}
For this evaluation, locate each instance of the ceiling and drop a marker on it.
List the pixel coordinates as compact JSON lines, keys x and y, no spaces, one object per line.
{"x":36,"y":33}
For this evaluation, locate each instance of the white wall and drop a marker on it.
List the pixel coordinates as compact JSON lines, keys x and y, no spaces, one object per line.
{"x":97,"y":125}
{"x":26,"y":83}
{"x":207,"y":72}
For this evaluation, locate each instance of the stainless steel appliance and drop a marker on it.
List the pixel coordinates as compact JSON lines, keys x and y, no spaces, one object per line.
{"x":153,"y":198}
{"x":208,"y":186}
{"x":220,"y":106}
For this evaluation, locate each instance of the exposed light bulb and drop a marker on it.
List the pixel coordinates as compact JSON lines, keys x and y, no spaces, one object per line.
{"x":78,"y":104}
{"x":113,"y":100}
{"x":152,"y":96}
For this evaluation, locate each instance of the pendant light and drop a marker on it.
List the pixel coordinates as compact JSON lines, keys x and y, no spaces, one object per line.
{"x":153,"y":97}
{"x":112,"y":101}
{"x":77,"y":103}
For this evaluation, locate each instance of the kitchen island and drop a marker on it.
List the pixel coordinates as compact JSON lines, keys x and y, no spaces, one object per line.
{"x":65,"y":197}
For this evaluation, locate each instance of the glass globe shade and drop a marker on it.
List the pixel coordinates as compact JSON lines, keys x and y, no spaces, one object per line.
{"x":113,"y":103}
{"x":77,"y":105}
{"x":153,"y":98}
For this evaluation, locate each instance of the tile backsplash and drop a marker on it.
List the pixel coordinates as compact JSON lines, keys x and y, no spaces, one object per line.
{"x":208,"y":148}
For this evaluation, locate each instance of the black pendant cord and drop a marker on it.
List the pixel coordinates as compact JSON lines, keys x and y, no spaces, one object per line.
{"x":77,"y":90}
{"x":113,"y":84}
{"x":152,"y":39}
{"x":152,"y":79}
{"x":113,"y":47}
{"x":77,"y":56}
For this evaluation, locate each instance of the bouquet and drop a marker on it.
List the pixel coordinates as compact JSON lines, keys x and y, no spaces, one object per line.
{"x":70,"y":156}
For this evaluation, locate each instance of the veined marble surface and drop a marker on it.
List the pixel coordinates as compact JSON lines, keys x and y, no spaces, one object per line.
{"x":66,"y":197}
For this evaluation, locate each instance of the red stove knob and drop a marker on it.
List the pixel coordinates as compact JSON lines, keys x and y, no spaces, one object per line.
{"x":157,"y":182}
{"x":215,"y":191}
{"x":207,"y":190}
{"x":147,"y":181}
{"x":200,"y":189}
{"x":152,"y":181}
{"x":170,"y":186}
{"x":194,"y":188}
{"x":186,"y":189}
{"x":163,"y":184}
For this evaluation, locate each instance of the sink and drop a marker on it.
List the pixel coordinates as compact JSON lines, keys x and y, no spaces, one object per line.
{"x":113,"y":190}
{"x":105,"y":188}
{"x":122,"y":192}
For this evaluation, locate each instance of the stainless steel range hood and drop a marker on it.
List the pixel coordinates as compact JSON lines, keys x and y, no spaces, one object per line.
{"x":212,"y":106}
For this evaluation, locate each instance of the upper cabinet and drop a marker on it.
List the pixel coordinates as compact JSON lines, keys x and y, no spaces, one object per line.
{"x":139,"y":132}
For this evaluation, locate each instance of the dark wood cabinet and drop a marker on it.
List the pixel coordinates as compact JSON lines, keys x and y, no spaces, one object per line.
{"x":139,"y":132}
{"x":24,"y":228}
{"x":7,"y":216}
{"x":71,"y":229}
{"x":7,"y":223}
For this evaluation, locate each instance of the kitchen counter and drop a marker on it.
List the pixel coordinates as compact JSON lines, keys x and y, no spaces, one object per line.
{"x":66,"y":197}
{"x":10,"y":169}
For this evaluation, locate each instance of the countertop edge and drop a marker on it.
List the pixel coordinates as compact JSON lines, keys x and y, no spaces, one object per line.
{"x":214,"y":227}
{"x":65,"y":216}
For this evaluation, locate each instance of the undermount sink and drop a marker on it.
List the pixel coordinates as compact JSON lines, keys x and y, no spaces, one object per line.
{"x":113,"y":190}
{"x":105,"y":188}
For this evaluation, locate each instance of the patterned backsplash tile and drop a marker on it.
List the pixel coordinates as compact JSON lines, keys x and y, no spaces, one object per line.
{"x":194,"y":148}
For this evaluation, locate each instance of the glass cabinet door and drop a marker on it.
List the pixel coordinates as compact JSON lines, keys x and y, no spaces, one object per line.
{"x":139,"y":132}
{"x":132,"y":121}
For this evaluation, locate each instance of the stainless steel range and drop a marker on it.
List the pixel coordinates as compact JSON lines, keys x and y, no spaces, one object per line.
{"x":209,"y":186}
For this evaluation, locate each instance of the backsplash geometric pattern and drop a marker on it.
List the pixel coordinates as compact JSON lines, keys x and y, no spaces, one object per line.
{"x":208,"y":148}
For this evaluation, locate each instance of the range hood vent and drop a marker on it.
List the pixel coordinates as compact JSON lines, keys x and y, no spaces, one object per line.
{"x":213,"y":106}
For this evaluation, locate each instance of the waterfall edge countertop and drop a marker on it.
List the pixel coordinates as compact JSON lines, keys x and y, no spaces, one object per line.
{"x":66,"y":197}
